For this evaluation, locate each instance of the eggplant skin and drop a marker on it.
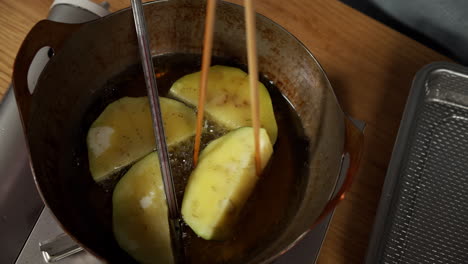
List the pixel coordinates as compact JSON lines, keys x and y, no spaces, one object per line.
{"x":222,"y":182}
{"x":140,"y":214}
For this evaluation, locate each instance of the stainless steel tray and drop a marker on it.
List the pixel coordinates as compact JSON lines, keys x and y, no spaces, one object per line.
{"x":423,"y":211}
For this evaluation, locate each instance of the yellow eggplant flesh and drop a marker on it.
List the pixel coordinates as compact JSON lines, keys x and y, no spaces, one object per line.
{"x":123,"y":133}
{"x":222,"y":182}
{"x":227,"y":98}
{"x":140,"y":215}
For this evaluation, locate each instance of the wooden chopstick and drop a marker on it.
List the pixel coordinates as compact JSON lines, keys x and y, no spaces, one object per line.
{"x":253,"y":79}
{"x":206,"y":61}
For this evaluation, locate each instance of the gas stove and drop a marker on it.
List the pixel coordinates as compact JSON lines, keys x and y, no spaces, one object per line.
{"x":47,"y":243}
{"x":29,"y":232}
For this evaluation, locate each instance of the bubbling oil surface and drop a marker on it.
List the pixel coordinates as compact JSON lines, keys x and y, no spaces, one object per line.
{"x":277,"y":194}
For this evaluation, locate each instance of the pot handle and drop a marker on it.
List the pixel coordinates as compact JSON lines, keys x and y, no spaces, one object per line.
{"x":354,"y":139}
{"x":44,"y":33}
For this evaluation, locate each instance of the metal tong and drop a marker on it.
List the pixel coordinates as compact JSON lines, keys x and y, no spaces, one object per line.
{"x":175,"y":220}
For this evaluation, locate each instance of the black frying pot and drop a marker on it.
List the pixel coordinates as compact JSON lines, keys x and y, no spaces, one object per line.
{"x":88,"y":56}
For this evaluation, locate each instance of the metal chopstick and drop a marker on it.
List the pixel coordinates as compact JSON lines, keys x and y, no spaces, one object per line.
{"x":150,"y":79}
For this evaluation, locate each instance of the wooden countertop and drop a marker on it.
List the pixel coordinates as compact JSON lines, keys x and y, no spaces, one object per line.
{"x":369,"y":65}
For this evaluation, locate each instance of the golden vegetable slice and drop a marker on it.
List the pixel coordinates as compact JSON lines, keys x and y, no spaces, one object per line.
{"x":123,"y":133}
{"x":227,"y":98}
{"x":140,"y":216}
{"x":222,"y":182}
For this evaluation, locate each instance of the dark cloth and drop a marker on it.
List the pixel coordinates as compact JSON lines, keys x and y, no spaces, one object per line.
{"x":440,"y":24}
